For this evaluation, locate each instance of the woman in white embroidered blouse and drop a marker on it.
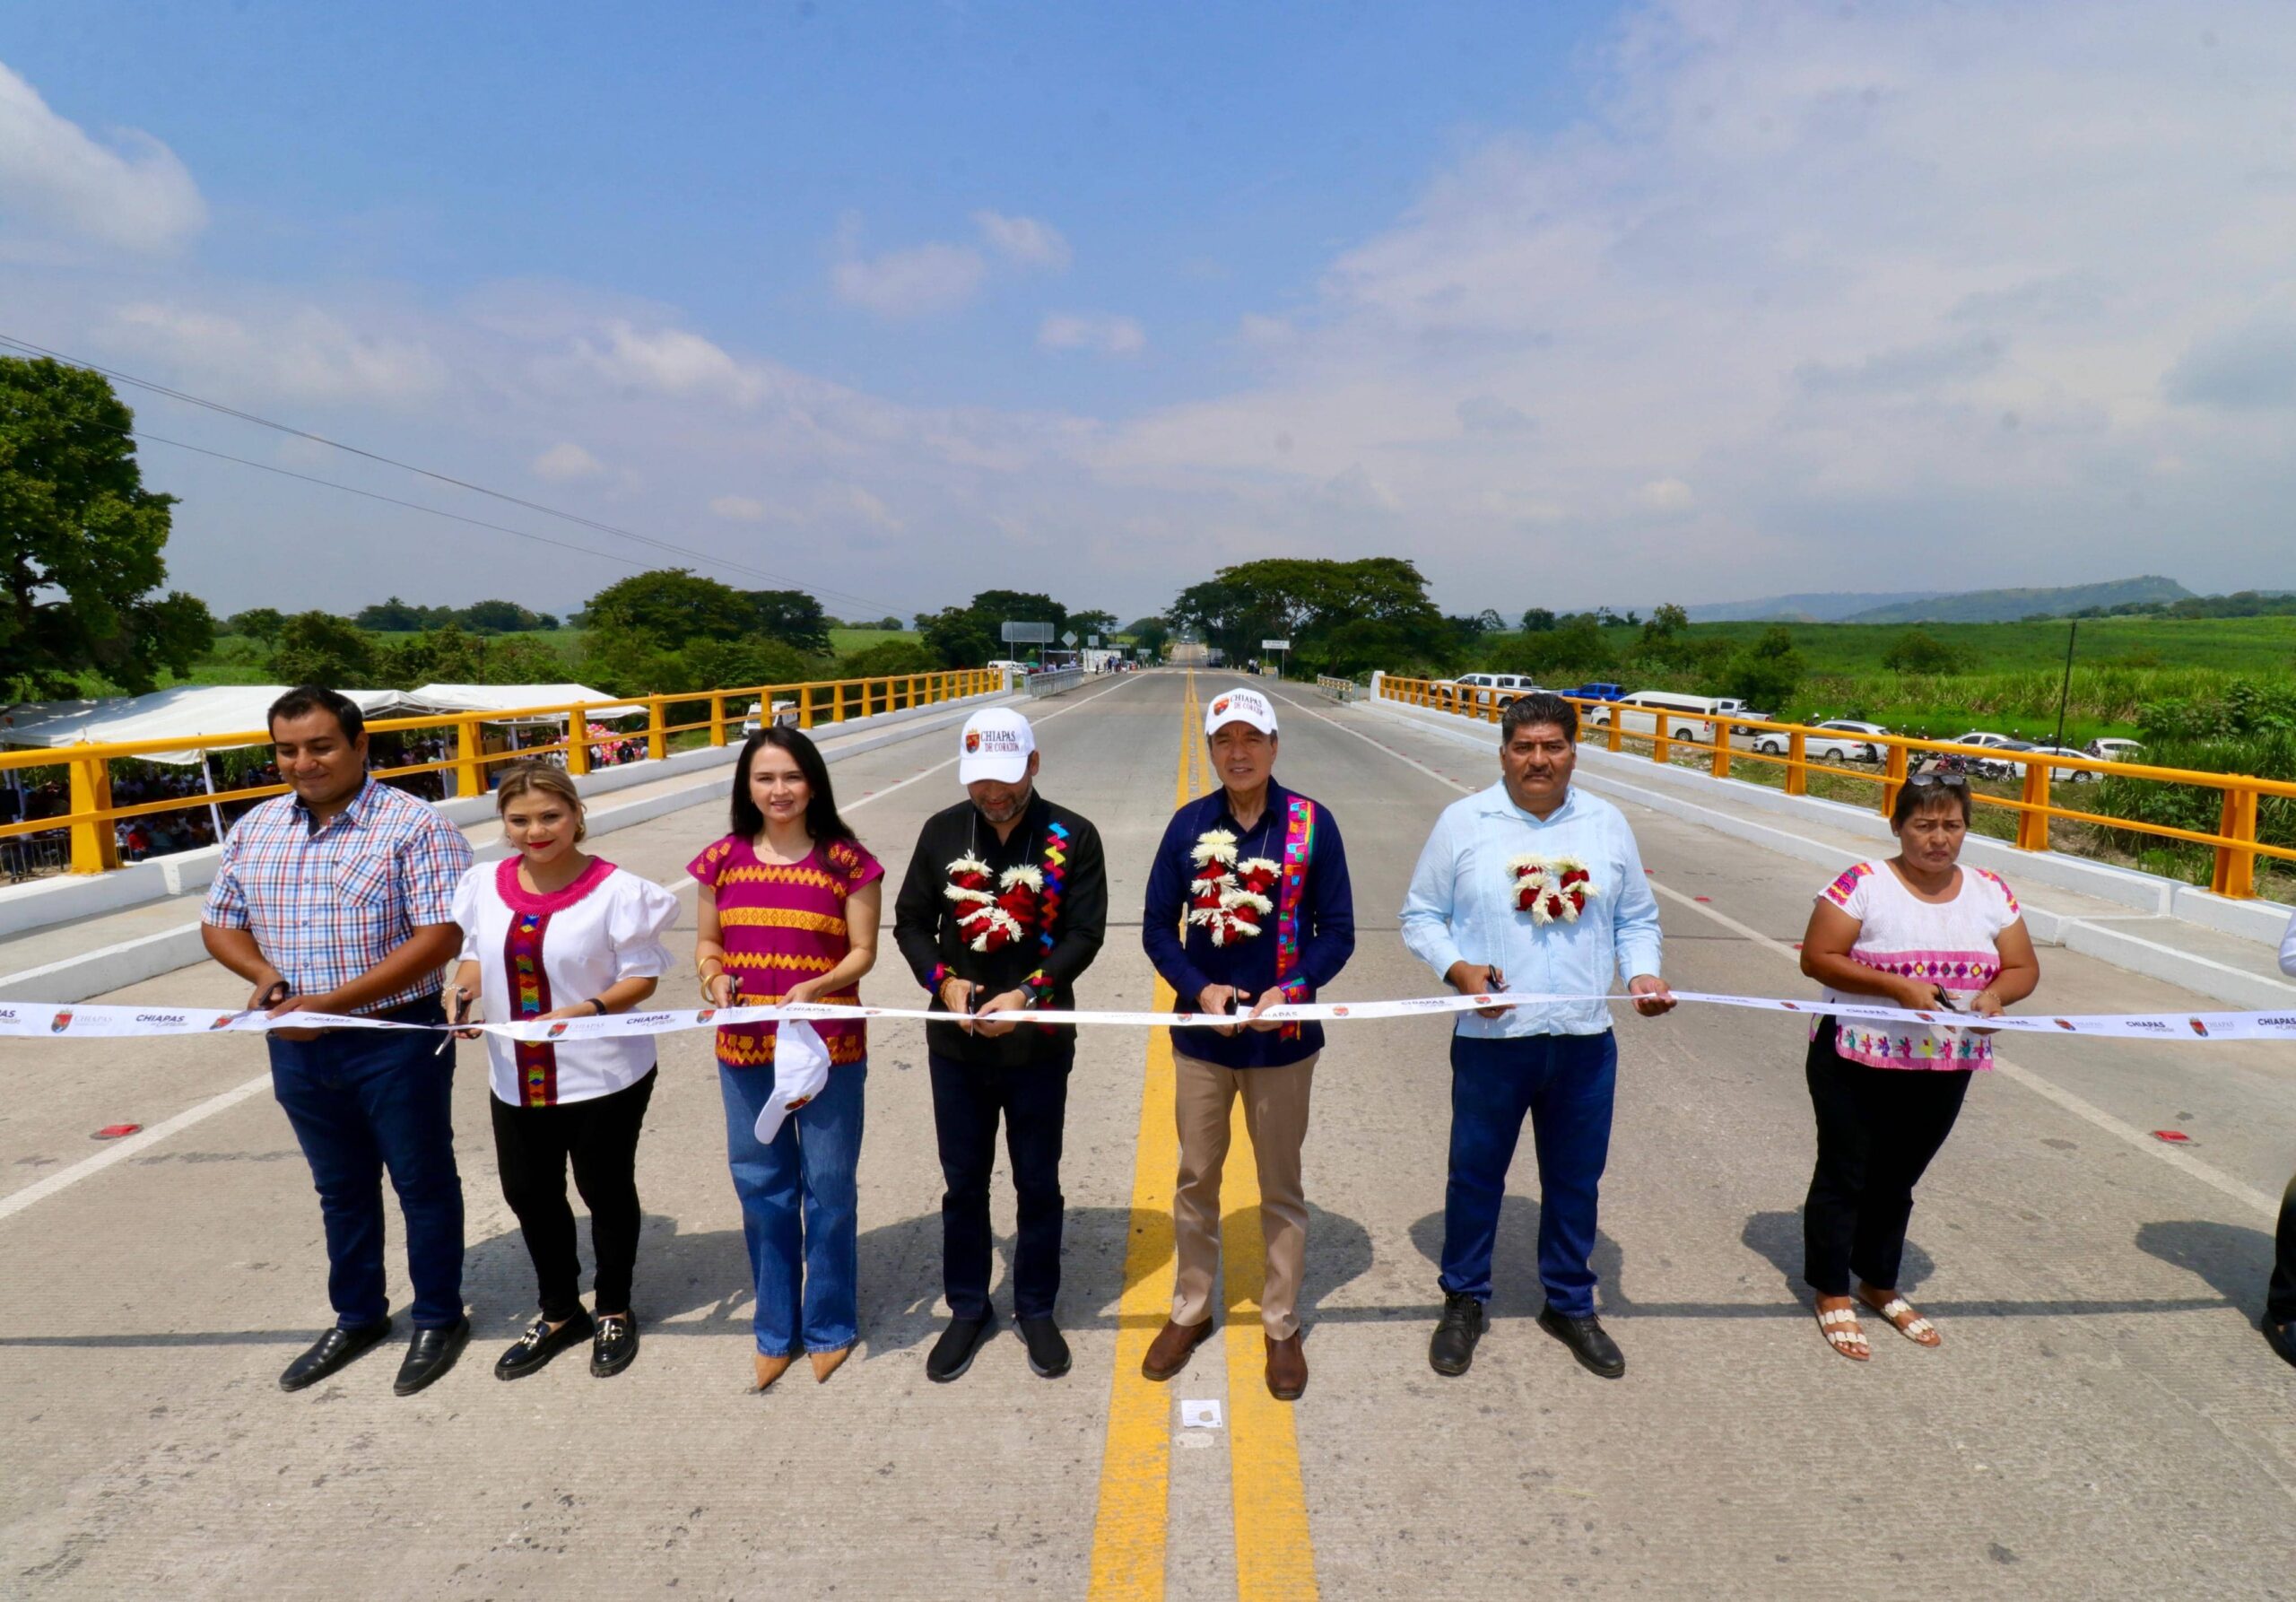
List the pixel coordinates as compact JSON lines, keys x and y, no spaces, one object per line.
{"x":554,"y":932}
{"x":1920,"y":932}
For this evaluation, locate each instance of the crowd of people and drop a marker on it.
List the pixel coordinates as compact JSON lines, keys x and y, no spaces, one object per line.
{"x":347,"y":896}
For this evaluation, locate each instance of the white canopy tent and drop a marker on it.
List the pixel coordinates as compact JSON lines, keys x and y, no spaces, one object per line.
{"x":204,"y":717}
{"x":506,"y":697}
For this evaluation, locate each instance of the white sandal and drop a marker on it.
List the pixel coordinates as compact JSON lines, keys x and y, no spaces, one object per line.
{"x":1850,"y":1341}
{"x":1913,"y":1328}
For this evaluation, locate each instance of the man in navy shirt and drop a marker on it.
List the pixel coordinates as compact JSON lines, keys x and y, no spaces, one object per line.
{"x":1247,"y":906}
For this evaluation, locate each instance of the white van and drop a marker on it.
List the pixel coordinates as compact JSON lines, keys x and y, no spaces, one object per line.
{"x":1653,"y":711}
{"x":1015,"y":673}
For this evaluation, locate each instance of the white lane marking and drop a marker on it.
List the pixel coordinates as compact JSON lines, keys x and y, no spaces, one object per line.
{"x":2248,"y":1196}
{"x":129,"y":1146}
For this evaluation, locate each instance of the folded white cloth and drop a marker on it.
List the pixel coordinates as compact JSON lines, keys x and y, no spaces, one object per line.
{"x":800,"y":1073}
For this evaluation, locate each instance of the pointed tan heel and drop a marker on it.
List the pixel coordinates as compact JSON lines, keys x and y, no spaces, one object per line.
{"x":826,"y":1363}
{"x":770,"y":1369}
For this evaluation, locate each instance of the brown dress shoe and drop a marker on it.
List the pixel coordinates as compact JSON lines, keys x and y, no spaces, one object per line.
{"x":1169,"y":1353}
{"x":1287,"y":1367}
{"x":771,"y":1368}
{"x":826,"y":1363}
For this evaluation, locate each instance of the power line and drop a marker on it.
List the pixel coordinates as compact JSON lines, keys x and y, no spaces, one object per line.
{"x":445,"y":478}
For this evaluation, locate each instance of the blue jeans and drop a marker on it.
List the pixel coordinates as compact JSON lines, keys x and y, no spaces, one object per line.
{"x":360,"y":1101}
{"x":800,"y":1208}
{"x":1565,"y":1083}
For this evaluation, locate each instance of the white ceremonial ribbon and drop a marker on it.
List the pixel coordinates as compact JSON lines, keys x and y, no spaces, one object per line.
{"x":82,"y":1021}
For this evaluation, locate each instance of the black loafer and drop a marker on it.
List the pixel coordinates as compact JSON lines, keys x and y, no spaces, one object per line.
{"x":1451,"y":1351}
{"x":614,"y":1347}
{"x":1594,"y":1349}
{"x":959,"y":1342}
{"x":330,"y":1352}
{"x":2281,"y":1338}
{"x":430,"y":1354}
{"x":540,"y":1344}
{"x":1047,"y":1348}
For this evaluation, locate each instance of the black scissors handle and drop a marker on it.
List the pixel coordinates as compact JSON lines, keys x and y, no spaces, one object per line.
{"x":279,"y":991}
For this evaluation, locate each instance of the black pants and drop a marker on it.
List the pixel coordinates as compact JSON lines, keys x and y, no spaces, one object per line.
{"x":1877,"y":1130}
{"x":532,"y":1146}
{"x":1032,"y":1099}
{"x":2280,"y":1301}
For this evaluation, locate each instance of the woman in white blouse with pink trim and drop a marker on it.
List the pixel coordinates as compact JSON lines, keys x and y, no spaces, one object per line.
{"x":554,"y":933}
{"x":1920,"y":932}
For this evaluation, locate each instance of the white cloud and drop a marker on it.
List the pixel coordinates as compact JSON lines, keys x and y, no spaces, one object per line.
{"x":913,"y":282}
{"x":738,"y":509}
{"x":302,"y":354}
{"x":566,"y":462}
{"x":1107,"y":334}
{"x":1024,"y":240}
{"x":134,"y":194}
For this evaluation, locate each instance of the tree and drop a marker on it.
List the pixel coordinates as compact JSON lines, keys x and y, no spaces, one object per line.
{"x":258,"y":623}
{"x":1918,"y":651}
{"x":897,"y":625}
{"x":670,"y":606}
{"x":1306,"y":600}
{"x":81,"y":542}
{"x":1150,"y":634}
{"x":1767,"y":671}
{"x":498,"y":617}
{"x":888,"y":658}
{"x":319,"y":648}
{"x":522,"y":662}
{"x":396,"y":616}
{"x":738,"y":663}
{"x":1665,"y":638}
{"x":1089,"y":623}
{"x":1538,"y":619}
{"x":1575,"y":649}
{"x":791,"y":616}
{"x":968,"y":635}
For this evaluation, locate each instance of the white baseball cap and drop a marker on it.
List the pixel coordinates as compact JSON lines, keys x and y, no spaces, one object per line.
{"x":1240,"y":706}
{"x":997,"y":744}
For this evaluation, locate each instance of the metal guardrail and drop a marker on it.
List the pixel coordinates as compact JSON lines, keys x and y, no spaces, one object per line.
{"x":1339,"y":688}
{"x":91,"y":816}
{"x":2234,"y":840}
{"x":1060,"y":680}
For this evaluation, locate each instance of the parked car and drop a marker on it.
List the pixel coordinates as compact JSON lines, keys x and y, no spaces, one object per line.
{"x":1660,"y":711}
{"x":2069,"y":775}
{"x":1990,"y":742}
{"x":1601,"y":691}
{"x":785,"y":714}
{"x":1840,"y":744}
{"x":1506,"y":686}
{"x":2109,"y":750}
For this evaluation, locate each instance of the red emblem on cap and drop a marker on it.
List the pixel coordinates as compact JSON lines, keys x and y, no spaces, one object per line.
{"x":1218,"y":706}
{"x":972,"y":741}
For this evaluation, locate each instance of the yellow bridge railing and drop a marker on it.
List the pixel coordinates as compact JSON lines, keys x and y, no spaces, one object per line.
{"x":2234,"y":840}
{"x":90,"y":817}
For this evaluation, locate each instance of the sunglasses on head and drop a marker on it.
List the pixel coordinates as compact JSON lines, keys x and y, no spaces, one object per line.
{"x":1948,"y":781}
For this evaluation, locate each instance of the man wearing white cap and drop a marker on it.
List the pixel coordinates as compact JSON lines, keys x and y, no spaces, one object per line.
{"x":1248,"y":906}
{"x":1004,"y":903}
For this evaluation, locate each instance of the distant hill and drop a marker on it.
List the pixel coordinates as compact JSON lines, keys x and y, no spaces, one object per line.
{"x":1831,"y":607}
{"x":2008,"y":606}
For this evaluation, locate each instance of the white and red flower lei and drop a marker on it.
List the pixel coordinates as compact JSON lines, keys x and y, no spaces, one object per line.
{"x":994,"y":910}
{"x":1551,"y":889}
{"x":1230,"y":897}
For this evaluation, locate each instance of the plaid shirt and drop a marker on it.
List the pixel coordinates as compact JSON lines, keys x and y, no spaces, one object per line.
{"x":328,"y":904}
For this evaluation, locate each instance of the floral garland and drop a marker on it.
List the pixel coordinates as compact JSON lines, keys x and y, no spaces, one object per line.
{"x":994,"y":910}
{"x":1229,"y":897}
{"x":1552,"y":890}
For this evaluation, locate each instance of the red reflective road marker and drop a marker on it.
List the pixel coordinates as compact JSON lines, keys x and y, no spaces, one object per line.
{"x":114,"y":1131}
{"x":1701,"y":897}
{"x":2170,"y":1134}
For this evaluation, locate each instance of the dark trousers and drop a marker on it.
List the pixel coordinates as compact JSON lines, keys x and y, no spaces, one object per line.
{"x":2280,"y":1301}
{"x":1565,"y":1084}
{"x":1877,"y":1130}
{"x":532,"y":1147}
{"x":361,"y":1101}
{"x":1031,"y":1098}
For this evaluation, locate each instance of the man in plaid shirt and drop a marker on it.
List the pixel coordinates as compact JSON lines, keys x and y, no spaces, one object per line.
{"x":338,"y":899}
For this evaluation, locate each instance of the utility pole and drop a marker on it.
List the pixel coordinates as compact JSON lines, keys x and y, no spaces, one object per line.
{"x":2065,"y":695}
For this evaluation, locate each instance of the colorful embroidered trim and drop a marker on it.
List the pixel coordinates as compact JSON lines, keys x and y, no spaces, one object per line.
{"x":1055,"y":869}
{"x":941,"y":975}
{"x":1038,"y":987}
{"x":1298,"y":845}
{"x":536,"y":1061}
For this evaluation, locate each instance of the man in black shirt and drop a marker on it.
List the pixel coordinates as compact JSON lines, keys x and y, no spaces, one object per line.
{"x":1004,"y":903}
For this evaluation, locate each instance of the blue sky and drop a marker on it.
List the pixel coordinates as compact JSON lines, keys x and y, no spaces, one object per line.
{"x":1689,"y":300}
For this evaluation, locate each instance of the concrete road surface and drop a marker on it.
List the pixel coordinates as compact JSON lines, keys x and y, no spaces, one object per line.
{"x":2102,"y":1421}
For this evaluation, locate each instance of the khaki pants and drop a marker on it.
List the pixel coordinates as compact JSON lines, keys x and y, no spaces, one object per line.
{"x":1275,"y":1116}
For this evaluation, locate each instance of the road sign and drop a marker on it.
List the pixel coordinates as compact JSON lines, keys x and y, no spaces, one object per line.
{"x":1275,"y":645}
{"x":1028,"y":633}
{"x":1069,"y":640}
{"x":1093,"y":641}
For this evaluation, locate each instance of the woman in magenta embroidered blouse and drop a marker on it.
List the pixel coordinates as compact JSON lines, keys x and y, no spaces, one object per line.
{"x":788,"y":911}
{"x":1920,"y":932}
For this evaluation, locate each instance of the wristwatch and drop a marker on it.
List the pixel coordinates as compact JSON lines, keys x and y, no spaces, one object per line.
{"x":598,"y":1003}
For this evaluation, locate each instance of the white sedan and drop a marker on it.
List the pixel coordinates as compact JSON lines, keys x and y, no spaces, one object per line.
{"x":1840,"y":742}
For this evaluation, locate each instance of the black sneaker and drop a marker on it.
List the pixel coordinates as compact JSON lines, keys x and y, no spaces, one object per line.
{"x":614,"y":1346}
{"x":1048,"y":1350}
{"x":1452,"y":1349}
{"x":2281,"y":1338}
{"x":1594,"y":1350}
{"x":959,"y":1342}
{"x":540,"y":1344}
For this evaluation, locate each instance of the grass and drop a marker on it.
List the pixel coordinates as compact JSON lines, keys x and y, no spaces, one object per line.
{"x":2255,"y":646}
{"x":846,"y":641}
